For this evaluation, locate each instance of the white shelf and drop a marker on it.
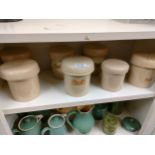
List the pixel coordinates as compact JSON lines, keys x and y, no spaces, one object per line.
{"x":53,"y":96}
{"x":30,"y":30}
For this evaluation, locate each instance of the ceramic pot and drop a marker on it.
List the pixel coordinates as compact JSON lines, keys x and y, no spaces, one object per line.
{"x":29,"y":125}
{"x":57,"y":54}
{"x":142,"y":73}
{"x":82,"y":121}
{"x":11,"y":53}
{"x":22,"y":77}
{"x":113,"y":74}
{"x":65,"y":110}
{"x":100,"y":111}
{"x":97,"y":52}
{"x":56,"y":125}
{"x":116,"y":108}
{"x":77,"y":72}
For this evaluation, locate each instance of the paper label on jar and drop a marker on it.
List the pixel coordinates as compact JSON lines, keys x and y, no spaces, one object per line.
{"x":78,"y":81}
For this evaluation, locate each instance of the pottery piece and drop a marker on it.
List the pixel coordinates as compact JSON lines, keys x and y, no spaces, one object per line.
{"x":100,"y":111}
{"x":29,"y":125}
{"x":97,"y":52}
{"x":11,"y":53}
{"x":142,"y":72}
{"x":22,"y":77}
{"x":56,"y":125}
{"x":113,"y":74}
{"x":110,"y":124}
{"x":57,"y":54}
{"x":77,"y":71}
{"x":81,"y":120}
{"x":65,"y":110}
{"x":116,"y":108}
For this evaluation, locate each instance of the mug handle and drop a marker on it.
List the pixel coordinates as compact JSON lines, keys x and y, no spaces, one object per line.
{"x":44,"y":130}
{"x":15,"y":131}
{"x":70,"y":113}
{"x":39,"y":117}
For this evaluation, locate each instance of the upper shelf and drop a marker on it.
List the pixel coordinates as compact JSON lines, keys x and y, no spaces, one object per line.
{"x":30,"y":30}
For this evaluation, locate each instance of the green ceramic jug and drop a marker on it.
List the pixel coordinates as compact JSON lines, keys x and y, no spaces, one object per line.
{"x":29,"y":125}
{"x":56,"y":125}
{"x":116,"y":108}
{"x":81,"y":120}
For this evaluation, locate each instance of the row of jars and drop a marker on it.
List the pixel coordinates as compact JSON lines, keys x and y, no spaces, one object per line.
{"x":80,"y":119}
{"x":21,"y":71}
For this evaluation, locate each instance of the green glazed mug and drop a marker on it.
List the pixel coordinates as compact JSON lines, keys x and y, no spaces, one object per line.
{"x":29,"y":125}
{"x":56,"y":125}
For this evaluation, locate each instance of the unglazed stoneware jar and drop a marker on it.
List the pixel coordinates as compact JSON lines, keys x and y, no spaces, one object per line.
{"x":113,"y":74}
{"x":77,"y":72}
{"x":11,"y":53}
{"x":22,"y":77}
{"x":57,"y":54}
{"x":97,"y":52}
{"x":142,"y":72}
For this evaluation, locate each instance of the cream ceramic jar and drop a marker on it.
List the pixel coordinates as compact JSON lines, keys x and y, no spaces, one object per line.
{"x":11,"y":53}
{"x":142,"y":72}
{"x":57,"y":54}
{"x":77,"y":72}
{"x":113,"y":74}
{"x":22,"y":77}
{"x":97,"y":52}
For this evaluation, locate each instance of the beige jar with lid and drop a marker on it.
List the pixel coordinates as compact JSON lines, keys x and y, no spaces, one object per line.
{"x":113,"y":74}
{"x":142,"y":72}
{"x":22,"y":77}
{"x":11,"y":53}
{"x":77,"y":71}
{"x":97,"y":52}
{"x":57,"y":54}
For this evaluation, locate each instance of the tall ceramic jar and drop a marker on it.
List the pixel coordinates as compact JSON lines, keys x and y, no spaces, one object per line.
{"x":142,"y":72}
{"x":57,"y":54}
{"x":22,"y":77}
{"x":77,"y":71}
{"x":97,"y":52}
{"x":113,"y":74}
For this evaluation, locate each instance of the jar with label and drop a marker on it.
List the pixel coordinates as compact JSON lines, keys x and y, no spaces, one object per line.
{"x":142,"y":72}
{"x":22,"y":77}
{"x":97,"y":52}
{"x":77,"y":71}
{"x":113,"y":74}
{"x":11,"y":53}
{"x":57,"y":54}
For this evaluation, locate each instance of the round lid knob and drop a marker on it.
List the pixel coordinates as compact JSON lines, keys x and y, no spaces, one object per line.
{"x":60,"y":52}
{"x":143,"y":59}
{"x":77,"y":66}
{"x":15,"y":53}
{"x":19,"y":70}
{"x":115,"y":66}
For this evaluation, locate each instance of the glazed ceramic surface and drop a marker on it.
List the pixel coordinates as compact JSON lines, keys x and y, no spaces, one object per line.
{"x":116,"y":108}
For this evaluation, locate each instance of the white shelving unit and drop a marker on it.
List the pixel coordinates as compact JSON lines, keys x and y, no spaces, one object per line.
{"x":39,"y":34}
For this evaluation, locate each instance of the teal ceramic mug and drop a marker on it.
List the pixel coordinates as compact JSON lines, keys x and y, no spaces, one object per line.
{"x":56,"y":125}
{"x":29,"y":125}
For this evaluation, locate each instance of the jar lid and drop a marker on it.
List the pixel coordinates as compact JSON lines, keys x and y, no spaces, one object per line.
{"x":143,"y":59}
{"x":131,"y":124}
{"x":15,"y":53}
{"x":77,"y":66}
{"x":60,"y":52}
{"x":115,"y":66}
{"x":95,"y":50}
{"x":19,"y":70}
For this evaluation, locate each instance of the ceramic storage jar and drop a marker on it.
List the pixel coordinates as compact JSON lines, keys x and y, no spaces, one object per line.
{"x":22,"y":77}
{"x":77,"y":71}
{"x":142,"y":72}
{"x":57,"y":54}
{"x":11,"y":53}
{"x":113,"y":74}
{"x":97,"y":52}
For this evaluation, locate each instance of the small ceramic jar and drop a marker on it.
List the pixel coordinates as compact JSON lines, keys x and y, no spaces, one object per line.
{"x":142,"y":72}
{"x":11,"y":53}
{"x":77,"y":71}
{"x":113,"y":74}
{"x":57,"y":54}
{"x":22,"y":77}
{"x":97,"y":52}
